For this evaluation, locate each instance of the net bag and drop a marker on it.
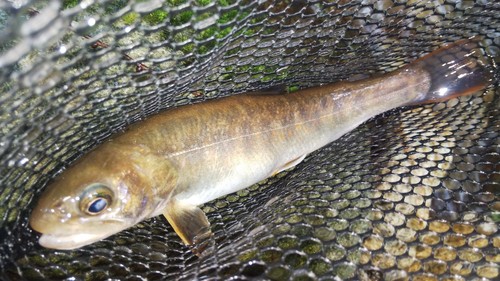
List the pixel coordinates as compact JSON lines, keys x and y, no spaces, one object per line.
{"x":413,"y":194}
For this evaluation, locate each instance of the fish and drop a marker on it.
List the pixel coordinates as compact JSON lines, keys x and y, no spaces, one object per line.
{"x":174,"y":161}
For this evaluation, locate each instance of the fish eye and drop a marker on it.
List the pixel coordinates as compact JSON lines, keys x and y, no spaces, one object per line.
{"x":96,"y":198}
{"x":97,"y":205}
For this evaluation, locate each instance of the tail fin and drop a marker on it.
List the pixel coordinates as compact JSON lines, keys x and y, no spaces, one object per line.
{"x":455,"y":70}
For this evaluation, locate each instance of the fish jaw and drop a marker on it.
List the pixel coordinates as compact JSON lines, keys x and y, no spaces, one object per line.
{"x":74,"y":234}
{"x":63,"y":226}
{"x":70,"y":242}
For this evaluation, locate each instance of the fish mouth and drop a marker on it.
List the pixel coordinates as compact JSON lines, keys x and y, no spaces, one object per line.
{"x":68,"y":242}
{"x":55,"y":234}
{"x":71,"y":237}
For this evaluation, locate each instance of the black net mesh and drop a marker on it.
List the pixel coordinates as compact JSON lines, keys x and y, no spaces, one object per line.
{"x":413,"y":194}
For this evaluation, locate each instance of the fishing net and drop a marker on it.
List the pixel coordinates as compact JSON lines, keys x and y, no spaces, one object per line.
{"x":412,"y":194}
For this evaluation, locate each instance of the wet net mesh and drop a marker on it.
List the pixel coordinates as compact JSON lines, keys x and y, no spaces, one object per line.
{"x":413,"y":194}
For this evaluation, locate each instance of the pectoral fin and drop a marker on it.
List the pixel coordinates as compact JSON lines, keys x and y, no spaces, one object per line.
{"x":290,"y":164}
{"x":190,"y":223}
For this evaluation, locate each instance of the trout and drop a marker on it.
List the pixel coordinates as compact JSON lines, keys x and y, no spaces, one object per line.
{"x":174,"y":161}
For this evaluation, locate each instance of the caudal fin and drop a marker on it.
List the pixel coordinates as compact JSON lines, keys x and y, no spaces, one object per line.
{"x":455,"y":70}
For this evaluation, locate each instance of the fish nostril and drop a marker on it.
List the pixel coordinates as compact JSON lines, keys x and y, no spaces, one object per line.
{"x":56,"y":208}
{"x":58,"y":205}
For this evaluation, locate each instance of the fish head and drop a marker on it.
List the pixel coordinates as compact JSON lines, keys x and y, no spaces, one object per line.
{"x":108,"y":190}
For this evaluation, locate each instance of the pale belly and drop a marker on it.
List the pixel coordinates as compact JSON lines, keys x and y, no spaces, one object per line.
{"x":211,"y":172}
{"x":214,"y":172}
{"x":209,"y":186}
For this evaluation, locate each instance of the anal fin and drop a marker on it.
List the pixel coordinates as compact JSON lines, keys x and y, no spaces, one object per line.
{"x":190,"y":223}
{"x":290,"y":164}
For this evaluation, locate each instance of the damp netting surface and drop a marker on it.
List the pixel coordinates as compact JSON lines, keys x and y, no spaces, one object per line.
{"x":413,"y":194}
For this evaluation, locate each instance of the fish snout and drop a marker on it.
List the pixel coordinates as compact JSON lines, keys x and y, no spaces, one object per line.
{"x":62,"y":230}
{"x":47,"y":219}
